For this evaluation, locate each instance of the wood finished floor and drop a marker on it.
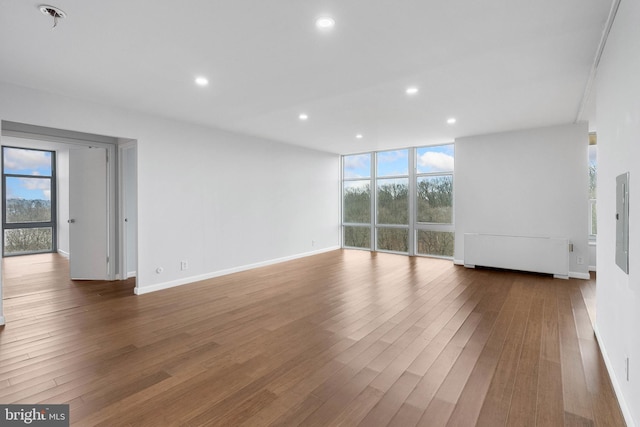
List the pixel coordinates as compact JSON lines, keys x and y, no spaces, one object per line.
{"x":343,"y":338}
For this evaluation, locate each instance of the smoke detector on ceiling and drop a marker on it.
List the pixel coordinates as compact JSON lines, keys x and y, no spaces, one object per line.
{"x":53,"y":12}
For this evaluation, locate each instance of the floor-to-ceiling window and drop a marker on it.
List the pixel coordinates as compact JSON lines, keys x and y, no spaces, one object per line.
{"x":434,"y":200}
{"x":400,"y":201}
{"x":392,"y":201}
{"x":593,"y":179}
{"x":357,"y":201}
{"x":28,"y":188}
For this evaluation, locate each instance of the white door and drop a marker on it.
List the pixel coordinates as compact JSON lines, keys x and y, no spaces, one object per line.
{"x":88,"y":242}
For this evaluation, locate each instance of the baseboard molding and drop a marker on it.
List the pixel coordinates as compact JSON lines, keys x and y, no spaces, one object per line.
{"x":614,"y":381}
{"x":592,"y":268}
{"x":171,"y":284}
{"x":574,"y":275}
{"x":63,"y":253}
{"x":458,"y":261}
{"x":131,"y":274}
{"x":2,"y":320}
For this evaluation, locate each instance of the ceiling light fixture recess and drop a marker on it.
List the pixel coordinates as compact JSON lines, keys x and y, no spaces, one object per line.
{"x":325,"y":23}
{"x":201,"y":81}
{"x":54,"y":12}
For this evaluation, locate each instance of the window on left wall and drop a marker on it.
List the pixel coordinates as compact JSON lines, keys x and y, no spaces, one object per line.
{"x":356,"y":201}
{"x":593,"y":180}
{"x":28,"y":189}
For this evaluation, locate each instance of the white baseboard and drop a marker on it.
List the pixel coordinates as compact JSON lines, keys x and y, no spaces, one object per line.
{"x":614,"y":381}
{"x":458,"y":261}
{"x":574,"y":275}
{"x":2,"y":320}
{"x":173,"y":283}
{"x":131,"y":274}
{"x":592,"y":268}
{"x":63,"y":253}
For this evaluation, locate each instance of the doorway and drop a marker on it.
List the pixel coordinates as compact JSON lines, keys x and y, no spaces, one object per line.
{"x":62,"y":143}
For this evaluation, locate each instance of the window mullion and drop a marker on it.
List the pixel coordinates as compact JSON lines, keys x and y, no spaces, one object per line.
{"x":412,"y":202}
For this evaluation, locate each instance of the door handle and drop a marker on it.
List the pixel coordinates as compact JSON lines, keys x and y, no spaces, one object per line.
{"x":71,"y":221}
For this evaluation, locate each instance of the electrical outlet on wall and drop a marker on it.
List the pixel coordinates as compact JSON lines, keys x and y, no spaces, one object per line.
{"x":184,"y":265}
{"x":580,"y":260}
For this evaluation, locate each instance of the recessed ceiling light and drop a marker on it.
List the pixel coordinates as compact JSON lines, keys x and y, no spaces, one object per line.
{"x":412,"y":90}
{"x":303,"y":116}
{"x":325,"y":23}
{"x":451,"y":120}
{"x":202,"y":81}
{"x":359,"y":136}
{"x":53,"y":12}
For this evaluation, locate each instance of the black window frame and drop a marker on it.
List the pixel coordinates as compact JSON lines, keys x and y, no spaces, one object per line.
{"x":53,"y":203}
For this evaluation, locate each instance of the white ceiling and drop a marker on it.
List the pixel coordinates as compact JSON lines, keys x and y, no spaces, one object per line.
{"x":495,"y":65}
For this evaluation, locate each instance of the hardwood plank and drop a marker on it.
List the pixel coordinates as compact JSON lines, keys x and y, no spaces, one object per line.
{"x":341,"y":338}
{"x":522,"y":411}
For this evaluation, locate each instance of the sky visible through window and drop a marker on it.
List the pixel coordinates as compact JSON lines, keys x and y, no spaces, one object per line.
{"x":593,"y":155}
{"x":433,"y":159}
{"x":27,"y":162}
{"x":438,"y":158}
{"x":393,"y":163}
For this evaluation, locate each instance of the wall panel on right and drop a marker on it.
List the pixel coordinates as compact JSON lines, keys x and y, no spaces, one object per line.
{"x":618,"y":126}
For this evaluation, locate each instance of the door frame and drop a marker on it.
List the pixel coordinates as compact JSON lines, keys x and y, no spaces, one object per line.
{"x":123,"y":188}
{"x":115,"y":208}
{"x":80,"y":139}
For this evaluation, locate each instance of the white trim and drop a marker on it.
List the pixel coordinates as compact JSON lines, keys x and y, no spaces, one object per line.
{"x":63,"y":253}
{"x":2,"y":322}
{"x":592,"y":268}
{"x":596,"y":61}
{"x":131,"y":274}
{"x":166,"y":285}
{"x":574,"y":275}
{"x":614,"y":381}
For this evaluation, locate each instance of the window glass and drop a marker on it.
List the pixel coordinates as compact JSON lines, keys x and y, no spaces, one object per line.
{"x":357,"y":237}
{"x":435,"y":243}
{"x":393,"y":201}
{"x":28,"y":199}
{"x":393,"y":239}
{"x":593,"y":181}
{"x":593,"y":170}
{"x":20,"y":161}
{"x":416,"y":221}
{"x":357,"y":166}
{"x":435,"y":199}
{"x":357,"y":202}
{"x":393,"y":163}
{"x":435,"y":159}
{"x":27,"y":240}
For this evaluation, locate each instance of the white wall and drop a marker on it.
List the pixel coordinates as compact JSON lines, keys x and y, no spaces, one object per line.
{"x":221,"y":201}
{"x":618,"y":116}
{"x":525,"y":183}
